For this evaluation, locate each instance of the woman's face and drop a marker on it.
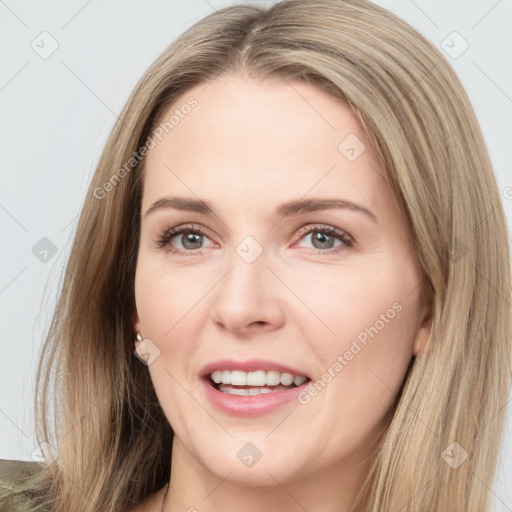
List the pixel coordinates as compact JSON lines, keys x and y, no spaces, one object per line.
{"x":290,"y":256}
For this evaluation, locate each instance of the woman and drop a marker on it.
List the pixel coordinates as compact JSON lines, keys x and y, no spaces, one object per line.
{"x":289,"y":283}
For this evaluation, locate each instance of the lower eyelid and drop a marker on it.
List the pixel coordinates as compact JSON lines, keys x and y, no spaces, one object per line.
{"x":342,"y":236}
{"x":164,"y":240}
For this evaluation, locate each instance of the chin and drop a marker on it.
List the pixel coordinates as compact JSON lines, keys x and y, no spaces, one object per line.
{"x":253,"y":464}
{"x":258,"y":476}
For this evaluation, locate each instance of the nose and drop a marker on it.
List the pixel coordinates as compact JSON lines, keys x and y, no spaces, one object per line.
{"x":248,"y":298}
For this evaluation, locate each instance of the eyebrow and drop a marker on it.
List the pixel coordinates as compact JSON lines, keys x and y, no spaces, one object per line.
{"x":288,"y":209}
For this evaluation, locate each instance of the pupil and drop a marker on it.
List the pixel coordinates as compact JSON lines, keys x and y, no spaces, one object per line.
{"x":326,"y":241}
{"x":190,"y":239}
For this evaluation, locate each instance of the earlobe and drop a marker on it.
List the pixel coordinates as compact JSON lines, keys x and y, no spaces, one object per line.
{"x":422,"y":338}
{"x":136,"y":323}
{"x":421,"y":344}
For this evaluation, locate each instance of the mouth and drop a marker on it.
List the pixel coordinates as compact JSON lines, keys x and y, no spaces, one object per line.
{"x":251,"y":388}
{"x":259,"y":382}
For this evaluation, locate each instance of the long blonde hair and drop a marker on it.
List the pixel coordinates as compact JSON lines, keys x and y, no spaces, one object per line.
{"x":113,"y":441}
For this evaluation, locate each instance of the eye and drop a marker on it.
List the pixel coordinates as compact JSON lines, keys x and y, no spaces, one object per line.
{"x":190,"y":239}
{"x":183,"y":239}
{"x":326,"y":239}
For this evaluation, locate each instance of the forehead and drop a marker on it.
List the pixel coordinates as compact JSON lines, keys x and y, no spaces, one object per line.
{"x":260,"y":140}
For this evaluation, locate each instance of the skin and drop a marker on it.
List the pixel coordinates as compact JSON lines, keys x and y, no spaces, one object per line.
{"x":247,"y":147}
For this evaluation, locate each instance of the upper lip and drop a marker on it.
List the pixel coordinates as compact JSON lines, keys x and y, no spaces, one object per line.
{"x":250,"y":366}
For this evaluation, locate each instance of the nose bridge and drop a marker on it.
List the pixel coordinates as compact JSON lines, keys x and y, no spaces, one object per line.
{"x":245,"y":281}
{"x":245,"y":295}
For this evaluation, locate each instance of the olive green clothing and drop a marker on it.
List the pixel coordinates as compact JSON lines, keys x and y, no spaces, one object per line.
{"x":12,"y":475}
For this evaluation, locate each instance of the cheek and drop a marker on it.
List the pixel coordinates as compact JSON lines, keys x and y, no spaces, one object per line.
{"x":164,"y":302}
{"x":168,"y":305}
{"x":363,"y":367}
{"x":370,"y":316}
{"x":167,"y":298}
{"x":354,"y":301}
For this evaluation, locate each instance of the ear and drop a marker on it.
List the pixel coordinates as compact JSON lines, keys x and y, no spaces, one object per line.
{"x":136,"y":323}
{"x":421,"y":343}
{"x":425,"y":326}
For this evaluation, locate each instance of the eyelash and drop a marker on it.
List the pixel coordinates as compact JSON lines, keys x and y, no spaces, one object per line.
{"x":163,"y":241}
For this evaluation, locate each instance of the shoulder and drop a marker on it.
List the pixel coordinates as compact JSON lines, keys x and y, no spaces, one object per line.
{"x":13,"y":473}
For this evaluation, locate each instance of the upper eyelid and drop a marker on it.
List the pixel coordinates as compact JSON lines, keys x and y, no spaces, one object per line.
{"x":308,"y":228}
{"x":301,"y":232}
{"x":305,"y":228}
{"x":184,"y":228}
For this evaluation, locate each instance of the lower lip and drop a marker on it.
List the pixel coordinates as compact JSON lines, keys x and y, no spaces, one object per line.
{"x":250,"y":405}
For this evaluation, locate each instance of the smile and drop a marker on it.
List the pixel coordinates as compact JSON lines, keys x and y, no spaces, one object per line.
{"x":251,"y":387}
{"x":238,"y":382}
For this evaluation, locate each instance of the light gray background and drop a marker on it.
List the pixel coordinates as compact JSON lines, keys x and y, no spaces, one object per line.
{"x":56,"y":114}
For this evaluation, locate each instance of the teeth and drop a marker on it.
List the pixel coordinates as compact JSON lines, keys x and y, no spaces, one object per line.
{"x":273,"y":378}
{"x":286,"y":379}
{"x":258,"y":378}
{"x":238,"y":378}
{"x":245,"y":391}
{"x":299,"y":380}
{"x":225,"y":377}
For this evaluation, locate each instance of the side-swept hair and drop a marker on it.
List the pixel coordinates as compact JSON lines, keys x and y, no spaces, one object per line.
{"x":113,"y":441}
